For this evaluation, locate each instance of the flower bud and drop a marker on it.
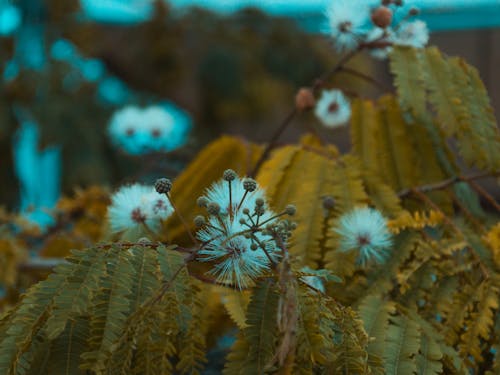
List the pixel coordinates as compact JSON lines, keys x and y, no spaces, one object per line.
{"x":199,"y":221}
{"x":213,"y":208}
{"x":202,"y":202}
{"x":382,"y":17}
{"x":163,"y":185}
{"x":414,"y":12}
{"x":229,"y":175}
{"x":259,"y":210}
{"x":304,"y":99}
{"x":249,"y":184}
{"x":328,"y":203}
{"x":290,"y":210}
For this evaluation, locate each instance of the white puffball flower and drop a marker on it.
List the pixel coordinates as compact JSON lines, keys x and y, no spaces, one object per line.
{"x":412,"y":34}
{"x":347,"y":20}
{"x":238,"y":256}
{"x":158,"y":124}
{"x":138,"y":205}
{"x":333,"y":108}
{"x":365,"y":230}
{"x":152,"y":129}
{"x":124,"y":129}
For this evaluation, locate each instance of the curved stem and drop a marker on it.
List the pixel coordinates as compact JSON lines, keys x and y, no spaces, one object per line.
{"x":317,"y":84}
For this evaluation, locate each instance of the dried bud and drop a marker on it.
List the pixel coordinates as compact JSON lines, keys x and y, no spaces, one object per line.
{"x":163,"y":185}
{"x":414,"y":12}
{"x":382,"y":17}
{"x":249,"y":184}
{"x":199,"y":221}
{"x":290,"y":210}
{"x":253,"y":246}
{"x":229,"y":175}
{"x":213,"y":208}
{"x":259,"y":202}
{"x":328,"y":203}
{"x":304,"y":99}
{"x":202,"y":202}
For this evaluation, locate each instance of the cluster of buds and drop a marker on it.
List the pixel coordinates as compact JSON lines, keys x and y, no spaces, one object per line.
{"x":350,"y":27}
{"x":241,"y":235}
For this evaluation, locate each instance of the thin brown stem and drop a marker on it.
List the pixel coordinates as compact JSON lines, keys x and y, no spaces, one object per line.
{"x":181,"y":218}
{"x":272,"y":142}
{"x":448,"y":182}
{"x":316,"y":85}
{"x":483,"y":193}
{"x":468,"y":214}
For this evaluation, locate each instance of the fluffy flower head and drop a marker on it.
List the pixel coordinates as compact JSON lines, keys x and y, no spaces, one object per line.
{"x":238,"y":251}
{"x":153,"y":129}
{"x":333,"y":109}
{"x":135,"y":206}
{"x":412,"y":34}
{"x":347,"y":20}
{"x":365,"y":230}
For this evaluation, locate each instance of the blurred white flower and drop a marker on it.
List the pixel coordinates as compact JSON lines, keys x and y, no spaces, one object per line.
{"x":153,"y":129}
{"x":138,"y":205}
{"x":227,"y":239}
{"x":158,"y":125}
{"x":347,"y":20}
{"x":412,"y":34}
{"x":333,"y":108}
{"x":365,"y":230}
{"x":10,"y":18}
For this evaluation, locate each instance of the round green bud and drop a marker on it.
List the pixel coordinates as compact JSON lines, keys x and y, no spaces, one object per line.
{"x":163,"y":185}
{"x":229,"y":175}
{"x":202,"y":202}
{"x":243,"y":221}
{"x":259,"y":202}
{"x":213,"y":208}
{"x":246,"y":211}
{"x":414,"y":12}
{"x":328,"y":203}
{"x":253,"y":246}
{"x":259,"y":210}
{"x":249,"y":184}
{"x":199,"y":221}
{"x":290,"y":210}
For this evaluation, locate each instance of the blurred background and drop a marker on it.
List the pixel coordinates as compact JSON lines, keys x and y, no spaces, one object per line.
{"x":68,"y":68}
